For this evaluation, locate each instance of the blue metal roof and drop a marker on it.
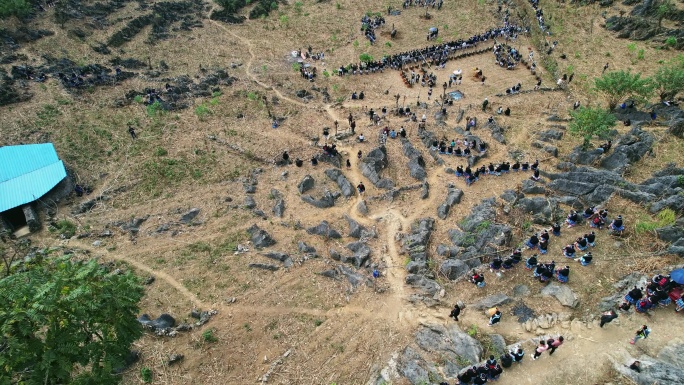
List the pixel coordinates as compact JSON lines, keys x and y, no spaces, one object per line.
{"x":27,"y":172}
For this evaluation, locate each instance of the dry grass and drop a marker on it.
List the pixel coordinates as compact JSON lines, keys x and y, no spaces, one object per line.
{"x":336,"y":334}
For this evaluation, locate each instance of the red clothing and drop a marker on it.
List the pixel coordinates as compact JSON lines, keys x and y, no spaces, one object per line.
{"x":542,"y":348}
{"x":557,"y":343}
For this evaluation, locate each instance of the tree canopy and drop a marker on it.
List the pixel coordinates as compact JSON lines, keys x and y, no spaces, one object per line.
{"x":619,"y":85}
{"x":63,"y":322}
{"x":18,"y":8}
{"x":589,"y":121}
{"x":669,"y":79}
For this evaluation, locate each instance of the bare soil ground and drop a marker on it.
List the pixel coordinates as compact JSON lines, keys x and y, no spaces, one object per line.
{"x":334,"y":333}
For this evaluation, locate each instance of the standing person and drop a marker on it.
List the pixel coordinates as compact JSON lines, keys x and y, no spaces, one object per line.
{"x":640,"y":334}
{"x":131,"y":131}
{"x":605,"y":67}
{"x":348,"y":164}
{"x":540,"y":349}
{"x":361,"y":188}
{"x":455,"y":312}
{"x":607,"y":317}
{"x":495,"y":317}
{"x":555,"y":344}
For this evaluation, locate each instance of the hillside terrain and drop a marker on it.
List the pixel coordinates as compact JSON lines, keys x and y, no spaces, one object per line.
{"x":282,"y":272}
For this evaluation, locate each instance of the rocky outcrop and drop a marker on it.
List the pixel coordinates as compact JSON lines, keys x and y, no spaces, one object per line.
{"x":327,"y":200}
{"x":454,"y":196}
{"x":323,"y":229}
{"x":491,"y":301}
{"x":260,"y":238}
{"x":306,"y":184}
{"x":479,"y":235}
{"x":343,"y":183}
{"x":416,"y":162}
{"x":372,"y":164}
{"x":562,"y":293}
{"x":630,"y":148}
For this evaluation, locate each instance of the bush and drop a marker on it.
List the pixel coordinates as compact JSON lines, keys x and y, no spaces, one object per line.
{"x":587,"y":122}
{"x":669,"y":79}
{"x":146,"y":374}
{"x":65,"y":228}
{"x":208,"y":336}
{"x":366,"y":58}
{"x":619,"y":85}
{"x":665,"y":217}
{"x":18,"y":8}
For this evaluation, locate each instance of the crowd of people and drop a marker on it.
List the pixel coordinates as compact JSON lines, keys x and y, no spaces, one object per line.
{"x":368,"y":26}
{"x":473,"y":175}
{"x":436,"y":54}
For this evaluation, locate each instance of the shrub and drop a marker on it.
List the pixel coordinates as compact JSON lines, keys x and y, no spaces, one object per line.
{"x":296,"y":67}
{"x":670,"y":42}
{"x":65,"y":228}
{"x":146,"y":374}
{"x":587,"y":122}
{"x":365,"y":58}
{"x":202,"y":111}
{"x":618,"y":85}
{"x":18,"y":8}
{"x":208,"y":336}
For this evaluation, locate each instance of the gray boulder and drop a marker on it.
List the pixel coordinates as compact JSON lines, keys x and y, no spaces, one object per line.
{"x":531,"y":187}
{"x":629,"y":149}
{"x":164,"y":321}
{"x":450,"y":341}
{"x":424,"y":190}
{"x":453,"y":269}
{"x":454,"y":196}
{"x":189,"y":215}
{"x":304,"y":248}
{"x":260,"y":238}
{"x":580,"y":156}
{"x":354,"y":277}
{"x":673,"y":354}
{"x":282,"y":257}
{"x":355,"y":229}
{"x":327,"y":200}
{"x":306,"y":184}
{"x":562,"y":293}
{"x":342,"y":182}
{"x":263,"y":266}
{"x":409,"y":367}
{"x":653,"y":371}
{"x":551,"y":135}
{"x":323,"y":229}
{"x":417,"y":168}
{"x":544,"y":210}
{"x":491,"y":301}
{"x":279,"y":208}
{"x":424,"y":284}
{"x":362,"y":208}
{"x":249,"y":202}
{"x":372,"y":164}
{"x":361,"y":254}
{"x":674,"y":202}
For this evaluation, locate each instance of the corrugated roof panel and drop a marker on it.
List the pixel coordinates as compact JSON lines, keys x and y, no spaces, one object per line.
{"x":27,"y":173}
{"x":19,"y":160}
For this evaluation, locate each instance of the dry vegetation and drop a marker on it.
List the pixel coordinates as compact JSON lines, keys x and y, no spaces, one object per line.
{"x":335,"y":334}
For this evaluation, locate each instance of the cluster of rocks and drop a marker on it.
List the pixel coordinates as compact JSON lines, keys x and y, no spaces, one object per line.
{"x":165,"y":324}
{"x":479,"y":236}
{"x":666,"y":368}
{"x":372,"y":164}
{"x":416,"y":162}
{"x":354,"y":277}
{"x":424,"y":188}
{"x":415,"y":244}
{"x":279,"y":206}
{"x":643,"y":22}
{"x":260,"y":238}
{"x":183,"y":89}
{"x":360,"y":256}
{"x":453,"y":197}
{"x":343,"y":183}
{"x":328,"y":199}
{"x":455,"y":347}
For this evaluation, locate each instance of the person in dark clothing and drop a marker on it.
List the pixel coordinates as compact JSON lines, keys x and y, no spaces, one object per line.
{"x":607,"y":317}
{"x":131,"y":131}
{"x":348,"y":164}
{"x":314,"y":161}
{"x":480,"y":380}
{"x":556,"y":229}
{"x":532,"y":242}
{"x":465,"y":378}
{"x":286,"y":157}
{"x":491,"y":362}
{"x":506,"y":360}
{"x":495,"y":318}
{"x":636,"y":366}
{"x":507,"y":111}
{"x":625,"y":306}
{"x":361,"y":188}
{"x":518,"y":355}
{"x":299,"y":162}
{"x":555,"y":344}
{"x":455,"y":312}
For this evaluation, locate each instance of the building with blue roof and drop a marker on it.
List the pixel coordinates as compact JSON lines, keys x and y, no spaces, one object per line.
{"x":27,"y":173}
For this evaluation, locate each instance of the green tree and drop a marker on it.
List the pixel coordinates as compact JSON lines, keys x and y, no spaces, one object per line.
{"x":665,"y":8}
{"x":66,"y":322}
{"x":587,"y":122}
{"x":669,"y":79}
{"x":18,"y":8}
{"x":618,"y":85}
